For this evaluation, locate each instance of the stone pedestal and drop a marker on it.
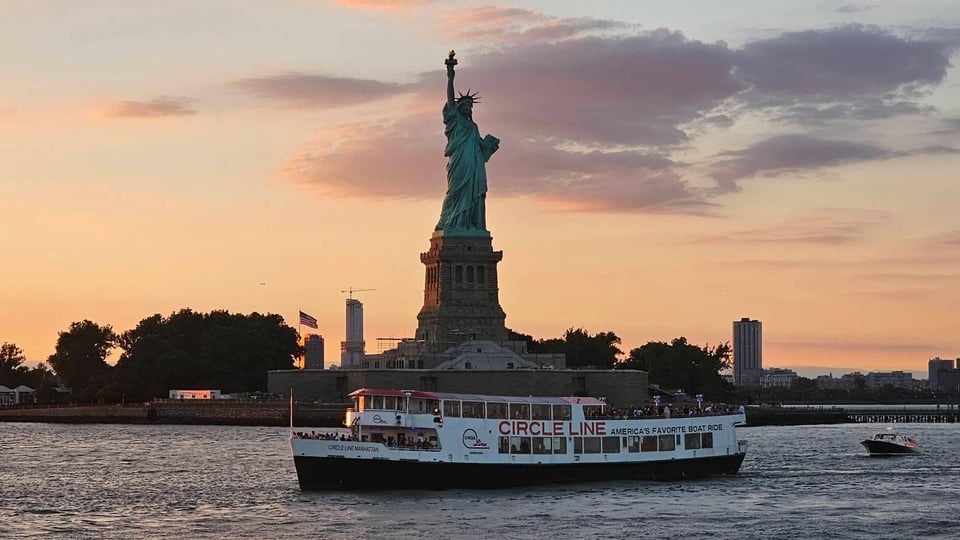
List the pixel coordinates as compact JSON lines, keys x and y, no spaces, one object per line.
{"x":461,"y":293}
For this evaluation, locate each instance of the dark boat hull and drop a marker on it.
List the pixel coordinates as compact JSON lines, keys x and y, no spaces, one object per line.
{"x":343,"y":473}
{"x":883,"y":448}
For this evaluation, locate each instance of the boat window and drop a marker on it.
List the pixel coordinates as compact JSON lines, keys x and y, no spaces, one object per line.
{"x":504,"y":445}
{"x":377,"y":403}
{"x":559,"y":445}
{"x":611,"y":445}
{"x":473,"y":409}
{"x":496,"y":410}
{"x":649,"y":444}
{"x":691,"y":441}
{"x":433,"y":406}
{"x":542,"y":445}
{"x":706,"y":440}
{"x":667,"y":443}
{"x":361,"y":403}
{"x":519,"y":445}
{"x":519,"y":411}
{"x":561,"y":412}
{"x":451,"y":408}
{"x":540,"y":412}
{"x":578,"y":445}
{"x":591,"y":445}
{"x":633,"y":444}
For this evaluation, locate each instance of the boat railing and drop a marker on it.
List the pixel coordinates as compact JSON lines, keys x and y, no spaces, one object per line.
{"x":678,"y":415}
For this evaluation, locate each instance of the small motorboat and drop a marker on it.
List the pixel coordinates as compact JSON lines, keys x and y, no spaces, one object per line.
{"x":890,"y":444}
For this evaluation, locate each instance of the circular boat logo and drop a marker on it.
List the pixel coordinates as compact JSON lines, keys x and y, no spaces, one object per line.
{"x":472,"y":440}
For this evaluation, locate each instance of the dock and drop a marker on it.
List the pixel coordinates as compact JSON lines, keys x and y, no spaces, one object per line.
{"x":821,"y":414}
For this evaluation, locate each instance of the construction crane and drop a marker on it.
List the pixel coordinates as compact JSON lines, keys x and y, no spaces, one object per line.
{"x":351,"y":290}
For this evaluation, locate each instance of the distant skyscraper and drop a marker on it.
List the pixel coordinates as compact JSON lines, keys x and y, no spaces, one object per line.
{"x":747,"y":352}
{"x":313,"y":351}
{"x":352,"y":349}
{"x":933,"y":369}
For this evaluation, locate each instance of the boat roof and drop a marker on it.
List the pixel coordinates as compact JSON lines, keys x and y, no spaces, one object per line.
{"x":571,"y":400}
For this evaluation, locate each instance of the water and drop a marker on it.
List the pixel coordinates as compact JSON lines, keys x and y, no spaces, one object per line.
{"x":118,"y":481}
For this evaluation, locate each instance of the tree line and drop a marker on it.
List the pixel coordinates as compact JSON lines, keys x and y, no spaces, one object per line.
{"x":677,"y":365}
{"x":232,"y":352}
{"x":228,"y":351}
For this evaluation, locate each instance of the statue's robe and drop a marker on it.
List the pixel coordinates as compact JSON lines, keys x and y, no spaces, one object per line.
{"x":464,"y":208}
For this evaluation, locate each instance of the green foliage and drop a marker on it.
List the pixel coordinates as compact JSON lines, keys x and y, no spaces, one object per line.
{"x":517,"y":336}
{"x":11,"y":363}
{"x":80,"y":358}
{"x":598,"y":351}
{"x":684,"y":366}
{"x":221,"y":350}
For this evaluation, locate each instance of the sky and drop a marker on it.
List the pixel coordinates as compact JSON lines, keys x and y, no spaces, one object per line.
{"x":665,"y":168}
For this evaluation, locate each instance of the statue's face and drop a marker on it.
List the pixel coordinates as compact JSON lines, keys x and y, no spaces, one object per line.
{"x":466,"y":108}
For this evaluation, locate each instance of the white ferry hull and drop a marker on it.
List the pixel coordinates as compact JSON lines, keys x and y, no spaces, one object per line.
{"x":321,"y":473}
{"x":405,"y":439}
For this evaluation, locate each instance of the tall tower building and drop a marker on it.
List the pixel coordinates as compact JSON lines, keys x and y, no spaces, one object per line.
{"x":933,"y":371}
{"x":313,"y":351}
{"x":352,"y":350}
{"x":747,"y":352}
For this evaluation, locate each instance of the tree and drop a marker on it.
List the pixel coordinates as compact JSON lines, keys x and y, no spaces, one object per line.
{"x":80,"y":357}
{"x":227,"y":351}
{"x":684,"y":366}
{"x":598,"y":351}
{"x":12,"y":369}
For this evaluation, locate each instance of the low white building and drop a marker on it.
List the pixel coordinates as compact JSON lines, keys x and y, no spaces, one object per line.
{"x":16,"y":396}
{"x":195,"y":394}
{"x":7,"y":395}
{"x":777,"y":377}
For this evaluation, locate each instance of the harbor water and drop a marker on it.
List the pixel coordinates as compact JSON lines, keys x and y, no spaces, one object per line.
{"x":136,"y":481}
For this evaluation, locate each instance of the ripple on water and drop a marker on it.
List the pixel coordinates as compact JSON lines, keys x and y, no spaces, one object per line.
{"x":239,"y":482}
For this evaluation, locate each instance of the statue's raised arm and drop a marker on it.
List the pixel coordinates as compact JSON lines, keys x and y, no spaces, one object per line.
{"x":450,"y":62}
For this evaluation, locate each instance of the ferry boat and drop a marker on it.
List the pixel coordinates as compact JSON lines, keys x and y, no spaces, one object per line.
{"x":409,"y":439}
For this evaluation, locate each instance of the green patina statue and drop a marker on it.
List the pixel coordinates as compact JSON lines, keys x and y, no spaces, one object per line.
{"x":464,"y":211}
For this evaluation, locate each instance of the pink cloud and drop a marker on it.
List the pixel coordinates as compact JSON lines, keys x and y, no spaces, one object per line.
{"x":410,"y":164}
{"x":506,"y":25}
{"x":301,"y":89}
{"x":790,"y":153}
{"x":155,"y":108}
{"x":828,"y":226}
{"x":851,"y":70}
{"x":591,"y":121}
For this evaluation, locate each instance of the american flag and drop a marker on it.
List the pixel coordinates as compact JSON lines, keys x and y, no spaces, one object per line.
{"x":307,"y":320}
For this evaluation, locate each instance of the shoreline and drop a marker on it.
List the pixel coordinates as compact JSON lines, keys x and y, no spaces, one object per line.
{"x":222,"y":413}
{"x":331,"y":415}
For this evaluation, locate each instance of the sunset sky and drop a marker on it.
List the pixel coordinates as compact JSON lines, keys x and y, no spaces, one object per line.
{"x":665,"y":167}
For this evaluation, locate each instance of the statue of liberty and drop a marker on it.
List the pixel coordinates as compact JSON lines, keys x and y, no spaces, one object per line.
{"x":464,"y":211}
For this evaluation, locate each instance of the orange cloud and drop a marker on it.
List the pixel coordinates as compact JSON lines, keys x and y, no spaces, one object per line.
{"x":155,"y":108}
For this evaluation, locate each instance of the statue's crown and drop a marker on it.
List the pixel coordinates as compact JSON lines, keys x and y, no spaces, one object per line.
{"x":471,"y":97}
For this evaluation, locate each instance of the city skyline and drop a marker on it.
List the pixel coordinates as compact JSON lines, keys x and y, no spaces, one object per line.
{"x":665,"y":168}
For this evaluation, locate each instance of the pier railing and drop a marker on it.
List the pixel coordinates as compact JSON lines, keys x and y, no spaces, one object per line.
{"x":841,"y":414}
